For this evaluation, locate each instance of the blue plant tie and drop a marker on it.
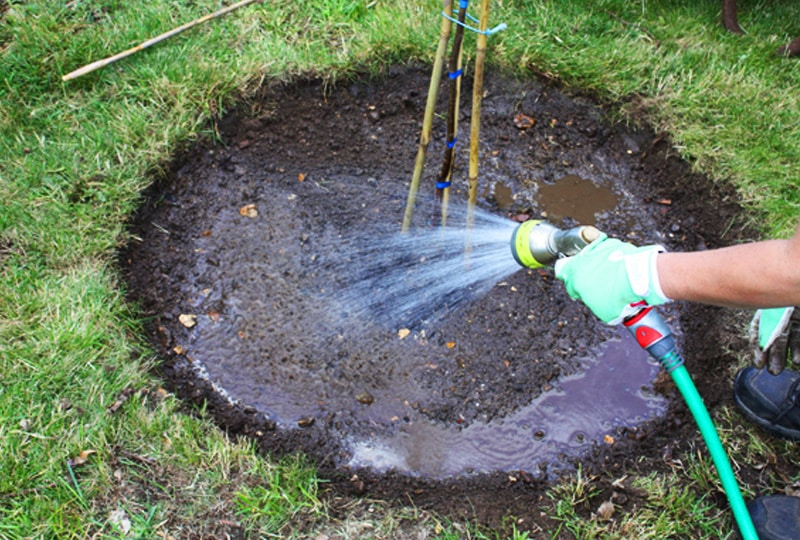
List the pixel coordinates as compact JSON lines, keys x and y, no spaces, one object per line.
{"x":463,"y":4}
{"x":500,"y":27}
{"x":452,"y":143}
{"x":455,"y":74}
{"x":442,"y":185}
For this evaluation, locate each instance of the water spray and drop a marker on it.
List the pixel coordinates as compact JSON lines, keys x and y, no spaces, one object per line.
{"x":535,"y":244}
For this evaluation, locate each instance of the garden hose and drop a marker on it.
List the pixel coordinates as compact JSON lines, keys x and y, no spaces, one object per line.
{"x":654,"y":336}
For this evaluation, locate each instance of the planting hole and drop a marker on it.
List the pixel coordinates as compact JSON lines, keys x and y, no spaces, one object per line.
{"x":256,"y":238}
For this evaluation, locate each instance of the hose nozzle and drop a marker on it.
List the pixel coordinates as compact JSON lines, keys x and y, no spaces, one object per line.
{"x":537,"y":243}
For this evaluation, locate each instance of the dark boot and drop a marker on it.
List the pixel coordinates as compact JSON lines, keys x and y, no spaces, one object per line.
{"x":772,"y":402}
{"x":776,"y":517}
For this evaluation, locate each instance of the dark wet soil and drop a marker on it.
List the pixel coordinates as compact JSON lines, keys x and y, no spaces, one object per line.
{"x":232,"y":259}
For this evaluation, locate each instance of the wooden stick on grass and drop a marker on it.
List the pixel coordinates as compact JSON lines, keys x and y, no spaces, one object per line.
{"x":150,"y":42}
{"x":430,"y":105}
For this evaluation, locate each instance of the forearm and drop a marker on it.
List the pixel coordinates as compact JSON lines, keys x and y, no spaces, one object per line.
{"x":760,"y":274}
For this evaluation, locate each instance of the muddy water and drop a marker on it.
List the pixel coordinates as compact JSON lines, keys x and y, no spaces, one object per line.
{"x":574,"y":197}
{"x":543,"y":437}
{"x":249,"y":240}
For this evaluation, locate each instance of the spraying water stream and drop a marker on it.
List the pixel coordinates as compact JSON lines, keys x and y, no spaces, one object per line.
{"x":410,"y":280}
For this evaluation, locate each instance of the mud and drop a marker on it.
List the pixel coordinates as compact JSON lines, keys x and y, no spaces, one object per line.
{"x":235,"y":253}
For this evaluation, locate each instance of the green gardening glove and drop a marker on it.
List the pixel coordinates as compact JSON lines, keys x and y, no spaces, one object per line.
{"x":609,"y":275}
{"x":775,"y":336}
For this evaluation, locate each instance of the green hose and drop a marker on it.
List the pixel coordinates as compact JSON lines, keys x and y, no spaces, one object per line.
{"x":654,"y":336}
{"x":695,"y":403}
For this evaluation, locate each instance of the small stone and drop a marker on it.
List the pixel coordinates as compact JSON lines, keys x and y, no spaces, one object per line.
{"x":249,"y":210}
{"x":187,"y":319}
{"x":366,"y":398}
{"x":306,"y":422}
{"x":606,"y":511}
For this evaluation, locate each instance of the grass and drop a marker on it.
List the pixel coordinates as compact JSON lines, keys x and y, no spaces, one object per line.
{"x":673,"y":508}
{"x":289,"y":489}
{"x":75,"y":157}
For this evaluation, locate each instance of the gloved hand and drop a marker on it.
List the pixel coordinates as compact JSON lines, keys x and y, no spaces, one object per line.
{"x":609,"y":275}
{"x":775,"y":335}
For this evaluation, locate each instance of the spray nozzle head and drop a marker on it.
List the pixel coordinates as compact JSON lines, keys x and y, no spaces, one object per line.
{"x":521,"y":245}
{"x":537,"y":243}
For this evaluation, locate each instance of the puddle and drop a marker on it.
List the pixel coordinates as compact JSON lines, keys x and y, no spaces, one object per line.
{"x":574,"y":197}
{"x":545,"y":436}
{"x":502,"y":195}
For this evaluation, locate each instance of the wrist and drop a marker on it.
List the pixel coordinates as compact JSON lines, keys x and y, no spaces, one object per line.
{"x":643,"y":275}
{"x":655,"y":276}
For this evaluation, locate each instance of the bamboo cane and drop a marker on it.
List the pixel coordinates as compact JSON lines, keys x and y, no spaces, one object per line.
{"x":445,"y":192}
{"x":475,"y":125}
{"x":445,"y":173}
{"x":150,"y":42}
{"x":427,"y":123}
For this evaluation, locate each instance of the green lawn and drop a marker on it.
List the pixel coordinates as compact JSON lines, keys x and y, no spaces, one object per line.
{"x":76,"y":156}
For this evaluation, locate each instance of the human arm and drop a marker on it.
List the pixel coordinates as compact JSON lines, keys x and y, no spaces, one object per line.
{"x":755,"y":275}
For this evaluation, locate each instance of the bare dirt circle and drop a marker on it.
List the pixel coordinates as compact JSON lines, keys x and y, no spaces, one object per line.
{"x":236,"y":251}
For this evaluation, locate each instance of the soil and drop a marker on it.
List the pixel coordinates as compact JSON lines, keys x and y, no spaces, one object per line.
{"x":236,"y":250}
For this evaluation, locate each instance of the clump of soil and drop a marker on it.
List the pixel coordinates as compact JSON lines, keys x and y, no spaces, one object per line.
{"x":233,"y":251}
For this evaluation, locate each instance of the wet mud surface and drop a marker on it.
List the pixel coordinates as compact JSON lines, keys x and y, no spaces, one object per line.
{"x":239,"y":251}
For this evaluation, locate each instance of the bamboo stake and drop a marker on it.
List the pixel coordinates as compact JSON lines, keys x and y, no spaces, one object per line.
{"x":445,"y":193}
{"x":427,"y":123}
{"x":442,"y":193}
{"x":150,"y":42}
{"x":475,"y":125}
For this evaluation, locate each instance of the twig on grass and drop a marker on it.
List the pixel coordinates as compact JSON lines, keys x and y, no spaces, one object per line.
{"x":150,"y":42}
{"x":639,"y":27}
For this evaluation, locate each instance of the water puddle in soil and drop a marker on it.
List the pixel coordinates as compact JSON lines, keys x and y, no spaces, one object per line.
{"x":574,"y":197}
{"x":542,"y":437}
{"x":421,"y":402}
{"x":569,"y":197}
